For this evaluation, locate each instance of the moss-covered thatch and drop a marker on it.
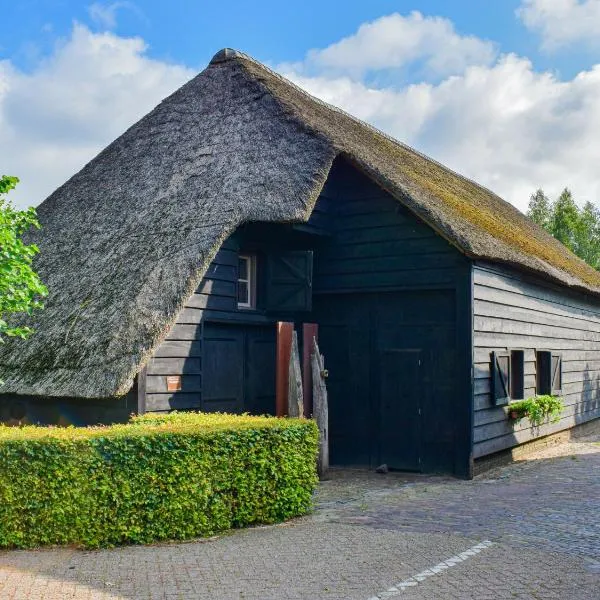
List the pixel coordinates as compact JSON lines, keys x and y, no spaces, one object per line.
{"x":128,"y":238}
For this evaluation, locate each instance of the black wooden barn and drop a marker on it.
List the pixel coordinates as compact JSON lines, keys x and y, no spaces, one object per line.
{"x":241,"y":201}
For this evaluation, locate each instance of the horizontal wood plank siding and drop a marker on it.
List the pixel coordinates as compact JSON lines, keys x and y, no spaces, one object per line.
{"x":516,"y":312}
{"x":181,"y":352}
{"x":377,"y":244}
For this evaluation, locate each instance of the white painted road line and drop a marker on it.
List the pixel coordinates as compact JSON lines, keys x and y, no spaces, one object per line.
{"x":397,"y":589}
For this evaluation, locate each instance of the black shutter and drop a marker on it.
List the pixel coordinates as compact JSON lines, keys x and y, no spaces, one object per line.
{"x":500,"y":377}
{"x":543,"y":360}
{"x":556,"y":386}
{"x":289,"y":281}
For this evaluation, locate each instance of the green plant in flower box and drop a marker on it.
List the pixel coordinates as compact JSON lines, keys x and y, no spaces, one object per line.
{"x":538,"y":409}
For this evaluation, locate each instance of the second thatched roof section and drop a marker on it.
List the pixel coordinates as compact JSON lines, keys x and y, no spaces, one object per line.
{"x":126,"y":241}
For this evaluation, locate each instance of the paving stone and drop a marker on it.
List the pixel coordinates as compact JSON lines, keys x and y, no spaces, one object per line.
{"x":370,"y":534}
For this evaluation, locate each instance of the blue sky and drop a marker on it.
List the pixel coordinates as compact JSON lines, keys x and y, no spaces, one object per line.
{"x":503,"y":91}
{"x":190,"y":32}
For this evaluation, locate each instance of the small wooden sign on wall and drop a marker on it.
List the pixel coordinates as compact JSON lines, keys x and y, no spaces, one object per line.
{"x":173,"y":383}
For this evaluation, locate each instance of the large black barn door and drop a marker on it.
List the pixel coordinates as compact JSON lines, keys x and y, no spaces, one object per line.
{"x":392,"y":382}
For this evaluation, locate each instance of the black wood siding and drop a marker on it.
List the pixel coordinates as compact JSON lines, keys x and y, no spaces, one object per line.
{"x":378,"y":244}
{"x":512,"y":311}
{"x":364,"y":242}
{"x":381,"y":262}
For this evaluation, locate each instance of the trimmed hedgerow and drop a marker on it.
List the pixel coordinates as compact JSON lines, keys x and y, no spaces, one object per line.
{"x":177,"y":476}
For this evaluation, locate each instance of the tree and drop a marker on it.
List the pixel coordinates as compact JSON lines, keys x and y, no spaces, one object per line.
{"x":587,"y":235}
{"x":578,"y":229}
{"x":565,"y":220}
{"x":540,"y":209}
{"x":20,"y":286}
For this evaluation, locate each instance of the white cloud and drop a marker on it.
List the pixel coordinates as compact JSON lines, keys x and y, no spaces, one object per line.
{"x":504,"y":125}
{"x":562,"y":22}
{"x":105,"y":15}
{"x":501,"y":123}
{"x":397,"y":41}
{"x":55,"y":119}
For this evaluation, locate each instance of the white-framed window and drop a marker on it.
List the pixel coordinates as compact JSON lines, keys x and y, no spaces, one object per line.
{"x":246,"y":284}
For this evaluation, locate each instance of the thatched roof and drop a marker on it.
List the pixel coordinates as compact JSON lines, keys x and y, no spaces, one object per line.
{"x":127,"y":239}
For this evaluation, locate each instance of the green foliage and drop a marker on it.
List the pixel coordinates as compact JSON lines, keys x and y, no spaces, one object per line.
{"x":20,"y":286}
{"x":565,"y":220}
{"x":178,"y":476}
{"x":538,"y":409}
{"x":577,"y":228}
{"x":540,"y":210}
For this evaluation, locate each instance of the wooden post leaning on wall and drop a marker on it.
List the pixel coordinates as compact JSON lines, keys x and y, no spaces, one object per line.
{"x":282,"y":377}
{"x":295,"y":407}
{"x":141,"y":391}
{"x":310,"y":332}
{"x":320,"y":407}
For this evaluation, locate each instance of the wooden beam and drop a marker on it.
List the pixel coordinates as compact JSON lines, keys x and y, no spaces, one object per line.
{"x":141,"y":391}
{"x":310,"y":332}
{"x":295,"y":394}
{"x":284,"y":351}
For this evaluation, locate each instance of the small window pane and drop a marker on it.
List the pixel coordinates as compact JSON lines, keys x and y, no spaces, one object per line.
{"x":543,"y":360}
{"x":243,"y":297}
{"x":517,"y":374}
{"x":243,"y":268}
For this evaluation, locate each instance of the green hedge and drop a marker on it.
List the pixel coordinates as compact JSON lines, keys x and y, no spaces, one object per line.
{"x":176,"y":476}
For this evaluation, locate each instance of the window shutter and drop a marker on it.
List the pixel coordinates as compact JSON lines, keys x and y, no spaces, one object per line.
{"x":289,"y":281}
{"x":500,"y":377}
{"x":543,"y":360}
{"x":556,"y":386}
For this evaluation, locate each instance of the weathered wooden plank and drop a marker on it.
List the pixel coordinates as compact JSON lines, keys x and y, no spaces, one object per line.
{"x":185,"y":332}
{"x":398,"y":247}
{"x":486,"y":308}
{"x":499,"y":324}
{"x":353,"y":221}
{"x":392,"y":280}
{"x":513,"y":340}
{"x":179,"y":349}
{"x":158,"y":383}
{"x":221,"y":272}
{"x":172,"y":401}
{"x":505,"y":427}
{"x":482,"y":354}
{"x":482,"y":370}
{"x":493,"y":414}
{"x":380,"y":205}
{"x":226,"y":256}
{"x":540,"y":290}
{"x":140,"y":388}
{"x":241,"y":316}
{"x":174,"y":366}
{"x":367,"y":266}
{"x":384,"y":233}
{"x":217,"y":287}
{"x":512,"y":439}
{"x":295,"y":397}
{"x":211,"y":301}
{"x":484,"y":385}
{"x":321,"y":407}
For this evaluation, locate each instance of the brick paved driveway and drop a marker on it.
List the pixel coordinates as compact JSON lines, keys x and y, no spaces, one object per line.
{"x":372,"y":536}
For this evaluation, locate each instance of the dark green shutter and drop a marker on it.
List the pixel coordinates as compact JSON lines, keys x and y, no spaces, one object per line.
{"x":556,"y":386}
{"x":289,"y":281}
{"x":500,"y":377}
